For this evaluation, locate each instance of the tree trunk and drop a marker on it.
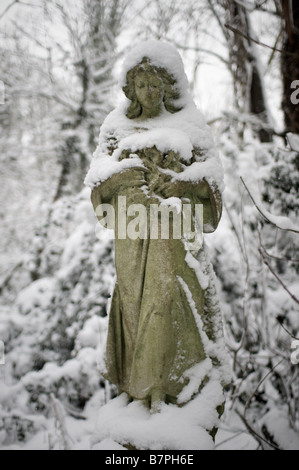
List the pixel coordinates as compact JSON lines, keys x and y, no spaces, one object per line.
{"x":94,"y":71}
{"x":249,"y":85}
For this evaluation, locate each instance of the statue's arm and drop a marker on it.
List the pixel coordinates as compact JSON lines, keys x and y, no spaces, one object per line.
{"x":212,"y":208}
{"x":200,"y":192}
{"x":106,"y":190}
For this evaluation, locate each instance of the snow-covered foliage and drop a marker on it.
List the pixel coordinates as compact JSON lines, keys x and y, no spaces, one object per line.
{"x":256,"y":264}
{"x":56,"y":326}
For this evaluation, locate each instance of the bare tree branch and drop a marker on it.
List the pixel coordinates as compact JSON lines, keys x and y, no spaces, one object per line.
{"x":249,"y":427}
{"x":270,"y":255}
{"x":281,"y":51}
{"x":222,"y":27}
{"x":59,"y":414}
{"x":201,"y":49}
{"x":277,"y":258}
{"x":280,"y":321}
{"x":277,"y":277}
{"x":29,"y":35}
{"x":17,"y":2}
{"x":9,"y":275}
{"x":267,"y":218}
{"x":8,"y":8}
{"x":256,"y":436}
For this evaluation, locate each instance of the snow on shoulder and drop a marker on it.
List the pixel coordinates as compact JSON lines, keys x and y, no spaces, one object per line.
{"x":183,"y":130}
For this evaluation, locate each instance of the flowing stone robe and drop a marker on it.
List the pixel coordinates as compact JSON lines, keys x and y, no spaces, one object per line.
{"x":153,"y":336}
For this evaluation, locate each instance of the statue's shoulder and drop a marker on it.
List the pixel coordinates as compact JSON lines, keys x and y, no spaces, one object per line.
{"x":116,"y":125}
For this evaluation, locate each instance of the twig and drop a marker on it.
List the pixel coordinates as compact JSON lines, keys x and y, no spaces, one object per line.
{"x":17,"y":2}
{"x":30,"y":36}
{"x":8,"y":8}
{"x":274,"y":48}
{"x":248,"y":403}
{"x":280,"y":321}
{"x":288,"y":229}
{"x":235,"y":231}
{"x":229,"y":439}
{"x":277,"y":277}
{"x":249,"y":38}
{"x":60,"y":420}
{"x":222,"y":27}
{"x":278,"y":258}
{"x":251,"y":430}
{"x":9,"y":276}
{"x":253,"y":120}
{"x":270,"y":255}
{"x":258,"y":386}
{"x":288,"y":393}
{"x":75,"y":413}
{"x":201,"y":49}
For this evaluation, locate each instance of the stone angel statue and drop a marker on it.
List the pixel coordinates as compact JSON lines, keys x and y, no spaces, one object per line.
{"x":165,"y":340}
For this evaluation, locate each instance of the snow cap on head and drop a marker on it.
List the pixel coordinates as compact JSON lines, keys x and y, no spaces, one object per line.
{"x":159,"y":54}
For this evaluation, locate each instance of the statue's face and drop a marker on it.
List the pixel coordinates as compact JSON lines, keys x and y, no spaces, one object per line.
{"x":149,"y":91}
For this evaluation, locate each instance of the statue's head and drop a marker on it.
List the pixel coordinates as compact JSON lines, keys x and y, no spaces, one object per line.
{"x":153,"y":77}
{"x":149,"y":87}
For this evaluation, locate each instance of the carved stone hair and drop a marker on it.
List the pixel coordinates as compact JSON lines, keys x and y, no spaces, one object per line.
{"x":171,"y":92}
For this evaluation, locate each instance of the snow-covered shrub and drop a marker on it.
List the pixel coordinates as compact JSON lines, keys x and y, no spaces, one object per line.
{"x":55,"y":331}
{"x":254,"y":261}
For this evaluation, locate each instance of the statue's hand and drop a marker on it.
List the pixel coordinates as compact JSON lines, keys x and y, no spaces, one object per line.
{"x":185,"y":189}
{"x":132,"y":178}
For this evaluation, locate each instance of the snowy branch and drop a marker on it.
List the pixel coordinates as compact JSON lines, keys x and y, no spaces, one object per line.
{"x":249,"y":427}
{"x":60,"y":422}
{"x":283,"y":223}
{"x":253,"y":120}
{"x":6,"y":280}
{"x":277,"y":277}
{"x":277,"y":258}
{"x":201,"y":49}
{"x":280,"y":321}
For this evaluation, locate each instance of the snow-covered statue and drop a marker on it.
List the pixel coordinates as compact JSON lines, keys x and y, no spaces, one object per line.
{"x":156,"y":154}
